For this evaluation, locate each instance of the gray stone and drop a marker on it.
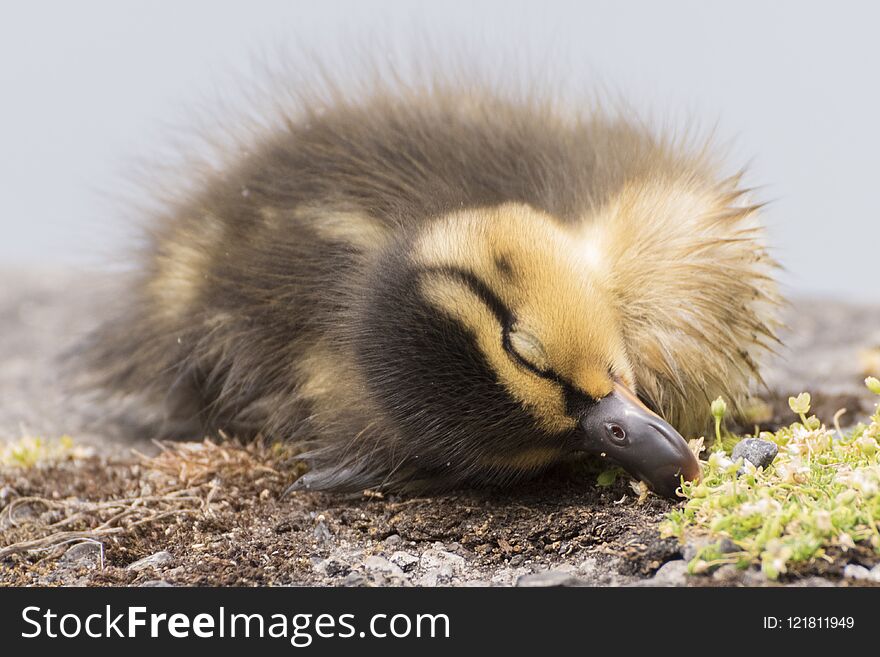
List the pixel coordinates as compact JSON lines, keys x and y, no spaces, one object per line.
{"x":588,"y":566}
{"x":7,"y":493}
{"x":443,"y":575}
{"x":754,"y":577}
{"x":156,"y":560}
{"x":508,"y":576}
{"x":855,"y":571}
{"x":406,"y":561}
{"x":322,"y":532}
{"x":156,"y":583}
{"x":594,"y":573}
{"x":728,"y":574}
{"x":354,"y":578}
{"x":437,"y":558}
{"x":672,"y":573}
{"x":672,"y":570}
{"x":812,"y":583}
{"x":692,"y":548}
{"x":552,"y":577}
{"x":82,"y":554}
{"x":756,"y":451}
{"x":382,"y":565}
{"x":392,"y":540}
{"x":332,"y":567}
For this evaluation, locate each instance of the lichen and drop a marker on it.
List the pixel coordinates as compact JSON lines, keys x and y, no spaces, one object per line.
{"x":822,"y":492}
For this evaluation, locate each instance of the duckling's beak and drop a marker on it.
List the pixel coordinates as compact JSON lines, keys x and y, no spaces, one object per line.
{"x":621,"y":428}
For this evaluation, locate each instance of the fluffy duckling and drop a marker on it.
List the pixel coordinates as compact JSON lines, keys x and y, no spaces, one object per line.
{"x":450,"y":286}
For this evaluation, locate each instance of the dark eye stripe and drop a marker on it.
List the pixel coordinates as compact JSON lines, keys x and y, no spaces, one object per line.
{"x":576,"y":400}
{"x":499,"y":309}
{"x":502,"y":313}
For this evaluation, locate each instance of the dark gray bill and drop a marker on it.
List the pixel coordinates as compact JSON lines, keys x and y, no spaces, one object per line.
{"x":620,"y":427}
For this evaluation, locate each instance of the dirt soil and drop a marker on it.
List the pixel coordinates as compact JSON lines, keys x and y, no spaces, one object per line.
{"x":126,"y":511}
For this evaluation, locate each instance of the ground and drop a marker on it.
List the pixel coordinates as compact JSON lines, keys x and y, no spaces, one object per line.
{"x":110,"y":509}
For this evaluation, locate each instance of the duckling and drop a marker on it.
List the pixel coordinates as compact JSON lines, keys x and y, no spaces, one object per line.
{"x":445,"y":286}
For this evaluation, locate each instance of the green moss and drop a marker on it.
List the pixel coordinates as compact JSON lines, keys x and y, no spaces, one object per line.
{"x":30,"y":451}
{"x":609,"y":476}
{"x":821,"y":491}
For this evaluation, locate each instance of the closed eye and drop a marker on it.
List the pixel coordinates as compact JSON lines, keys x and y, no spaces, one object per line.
{"x":527,"y":351}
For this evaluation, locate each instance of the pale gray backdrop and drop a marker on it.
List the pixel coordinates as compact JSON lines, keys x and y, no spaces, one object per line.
{"x":85,"y":87}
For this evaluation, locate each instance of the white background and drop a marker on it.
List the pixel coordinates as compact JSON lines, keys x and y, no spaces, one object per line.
{"x":86,"y":86}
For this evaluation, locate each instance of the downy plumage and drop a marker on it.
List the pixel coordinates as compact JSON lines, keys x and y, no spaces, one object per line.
{"x":450,"y":285}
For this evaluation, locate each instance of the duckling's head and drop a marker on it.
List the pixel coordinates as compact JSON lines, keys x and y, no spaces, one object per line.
{"x":492,"y":342}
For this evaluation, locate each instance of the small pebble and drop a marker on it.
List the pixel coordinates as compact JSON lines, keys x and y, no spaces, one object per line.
{"x":855,"y":571}
{"x":382,"y":565}
{"x":436,"y":558}
{"x":404,"y":560}
{"x":86,"y":554}
{"x":553,"y":577}
{"x":813,"y":582}
{"x":672,"y":573}
{"x":153,"y":561}
{"x":693,"y":547}
{"x":354,"y":578}
{"x":756,"y":451}
{"x":436,"y":576}
{"x":321,"y":532}
{"x":332,"y":567}
{"x":727,"y":574}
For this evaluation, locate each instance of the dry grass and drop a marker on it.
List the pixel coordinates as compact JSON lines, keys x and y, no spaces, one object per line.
{"x":183,"y":479}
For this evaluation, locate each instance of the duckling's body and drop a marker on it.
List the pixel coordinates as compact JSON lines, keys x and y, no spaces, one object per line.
{"x":437,"y":287}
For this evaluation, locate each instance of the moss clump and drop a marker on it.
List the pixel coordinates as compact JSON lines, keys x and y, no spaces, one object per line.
{"x":30,"y":451}
{"x":822,"y":491}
